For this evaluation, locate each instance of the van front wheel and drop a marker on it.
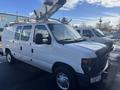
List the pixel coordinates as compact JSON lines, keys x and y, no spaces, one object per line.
{"x":65,"y":78}
{"x":9,"y":57}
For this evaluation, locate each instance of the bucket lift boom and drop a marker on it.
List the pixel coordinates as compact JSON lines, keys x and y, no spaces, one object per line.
{"x":48,"y":9}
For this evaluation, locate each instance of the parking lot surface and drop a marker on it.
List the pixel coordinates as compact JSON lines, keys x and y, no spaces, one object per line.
{"x":20,"y":76}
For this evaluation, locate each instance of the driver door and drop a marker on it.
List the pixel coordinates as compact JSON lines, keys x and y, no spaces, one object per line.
{"x":41,"y":53}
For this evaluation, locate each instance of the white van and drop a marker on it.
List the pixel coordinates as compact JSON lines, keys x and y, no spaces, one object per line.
{"x":58,"y":49}
{"x":96,"y":35}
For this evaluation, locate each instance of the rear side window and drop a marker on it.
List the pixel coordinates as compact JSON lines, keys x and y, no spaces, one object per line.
{"x":17,"y":32}
{"x":25,"y":34}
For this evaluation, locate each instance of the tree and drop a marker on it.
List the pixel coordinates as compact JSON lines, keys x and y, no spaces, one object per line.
{"x":104,"y":26}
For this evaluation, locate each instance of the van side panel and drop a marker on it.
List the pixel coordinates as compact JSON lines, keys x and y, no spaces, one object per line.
{"x":8,"y":38}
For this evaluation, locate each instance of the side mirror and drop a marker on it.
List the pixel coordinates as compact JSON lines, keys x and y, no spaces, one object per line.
{"x":39,"y":39}
{"x":42,"y":40}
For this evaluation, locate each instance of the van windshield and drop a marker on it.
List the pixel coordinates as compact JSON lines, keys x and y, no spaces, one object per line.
{"x":64,"y":33}
{"x":98,"y":33}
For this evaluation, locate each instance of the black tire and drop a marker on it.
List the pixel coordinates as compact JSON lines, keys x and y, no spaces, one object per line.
{"x":69,"y":72}
{"x":10,"y":59}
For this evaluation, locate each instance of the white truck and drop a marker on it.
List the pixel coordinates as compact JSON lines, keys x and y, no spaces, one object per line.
{"x":96,"y":35}
{"x":58,"y":49}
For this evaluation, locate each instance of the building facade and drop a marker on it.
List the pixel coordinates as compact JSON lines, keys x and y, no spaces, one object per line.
{"x":7,"y":18}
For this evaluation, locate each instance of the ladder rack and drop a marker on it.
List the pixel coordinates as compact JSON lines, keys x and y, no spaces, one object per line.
{"x":48,"y":9}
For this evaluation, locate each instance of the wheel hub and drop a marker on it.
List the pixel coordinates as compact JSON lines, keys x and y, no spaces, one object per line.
{"x":63,"y":81}
{"x":9,"y":58}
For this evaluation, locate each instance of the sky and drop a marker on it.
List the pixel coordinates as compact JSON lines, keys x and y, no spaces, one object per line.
{"x":80,"y":11}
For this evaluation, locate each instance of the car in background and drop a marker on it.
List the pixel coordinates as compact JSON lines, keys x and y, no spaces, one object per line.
{"x":116,"y":35}
{"x":96,"y":35}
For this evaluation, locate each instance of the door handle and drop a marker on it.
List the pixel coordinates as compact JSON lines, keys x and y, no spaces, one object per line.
{"x":21,"y":48}
{"x":32,"y":50}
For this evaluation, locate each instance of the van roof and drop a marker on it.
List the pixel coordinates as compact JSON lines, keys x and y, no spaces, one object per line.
{"x":33,"y":22}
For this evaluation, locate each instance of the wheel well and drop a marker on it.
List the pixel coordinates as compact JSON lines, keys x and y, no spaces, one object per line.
{"x":7,"y":50}
{"x":59,"y":64}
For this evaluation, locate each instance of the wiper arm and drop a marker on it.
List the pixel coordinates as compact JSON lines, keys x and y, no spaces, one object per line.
{"x":80,"y":39}
{"x":67,"y":39}
{"x":71,"y":40}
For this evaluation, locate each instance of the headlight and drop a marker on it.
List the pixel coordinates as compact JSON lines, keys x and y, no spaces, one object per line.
{"x":86,"y":61}
{"x":86,"y":65}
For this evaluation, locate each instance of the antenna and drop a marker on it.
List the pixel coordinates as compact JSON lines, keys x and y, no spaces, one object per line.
{"x":17,"y":16}
{"x":100,"y":21}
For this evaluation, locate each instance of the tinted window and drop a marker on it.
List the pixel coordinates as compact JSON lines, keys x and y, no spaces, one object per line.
{"x":42,"y":30}
{"x":17,"y":32}
{"x":25,"y":35}
{"x":87,"y":33}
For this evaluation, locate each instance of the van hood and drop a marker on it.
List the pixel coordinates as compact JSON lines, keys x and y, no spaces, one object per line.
{"x":94,"y":46}
{"x":87,"y":48}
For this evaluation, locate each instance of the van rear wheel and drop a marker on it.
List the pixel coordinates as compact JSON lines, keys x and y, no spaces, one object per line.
{"x":10,"y":59}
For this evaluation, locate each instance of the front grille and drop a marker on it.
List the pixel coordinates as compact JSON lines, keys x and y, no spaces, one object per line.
{"x":98,"y":65}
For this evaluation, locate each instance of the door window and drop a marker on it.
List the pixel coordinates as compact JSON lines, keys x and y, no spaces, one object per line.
{"x":25,"y":35}
{"x":17,"y":32}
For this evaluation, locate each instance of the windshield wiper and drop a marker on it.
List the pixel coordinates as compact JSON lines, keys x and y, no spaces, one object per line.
{"x":67,"y":39}
{"x":80,"y":39}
